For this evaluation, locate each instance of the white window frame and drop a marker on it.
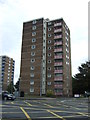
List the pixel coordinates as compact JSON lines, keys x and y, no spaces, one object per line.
{"x":32,"y":60}
{"x":49,"y":48}
{"x":49,"y":41}
{"x":49,"y":75}
{"x":34,"y":27}
{"x":33,"y":33}
{"x":32,"y":53}
{"x":49,"y":54}
{"x":49,"y":29}
{"x":33,"y":40}
{"x":32,"y":67}
{"x":34,"y":22}
{"x":31,"y":90}
{"x":33,"y":46}
{"x":48,"y":83}
{"x":49,"y":35}
{"x":49,"y":68}
{"x":49,"y":23}
{"x":32,"y":75}
{"x":31,"y":82}
{"x":49,"y":61}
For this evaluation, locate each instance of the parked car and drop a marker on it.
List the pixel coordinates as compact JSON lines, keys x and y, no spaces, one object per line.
{"x":7,"y":96}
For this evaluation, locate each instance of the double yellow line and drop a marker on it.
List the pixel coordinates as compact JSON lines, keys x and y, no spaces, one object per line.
{"x":28,"y":117}
{"x":56,"y":115}
{"x":26,"y":114}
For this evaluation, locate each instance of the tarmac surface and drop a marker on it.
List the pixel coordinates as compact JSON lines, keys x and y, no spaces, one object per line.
{"x":45,"y":109}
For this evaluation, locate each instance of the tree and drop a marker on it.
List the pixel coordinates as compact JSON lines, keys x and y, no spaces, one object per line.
{"x":10,"y":88}
{"x":17,"y":85}
{"x":81,"y":81}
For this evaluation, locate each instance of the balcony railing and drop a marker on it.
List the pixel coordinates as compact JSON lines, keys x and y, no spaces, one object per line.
{"x":58,"y":86}
{"x":58,"y":50}
{"x":58,"y":43}
{"x":57,"y":36}
{"x":58,"y":79}
{"x":58,"y":57}
{"x":57,"y":24}
{"x":59,"y":93}
{"x":57,"y":63}
{"x":58,"y":71}
{"x":57,"y":30}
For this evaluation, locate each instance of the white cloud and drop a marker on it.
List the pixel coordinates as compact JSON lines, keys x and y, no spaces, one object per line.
{"x":14,"y":12}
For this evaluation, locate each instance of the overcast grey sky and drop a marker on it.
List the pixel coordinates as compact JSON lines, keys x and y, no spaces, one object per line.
{"x":14,"y":12}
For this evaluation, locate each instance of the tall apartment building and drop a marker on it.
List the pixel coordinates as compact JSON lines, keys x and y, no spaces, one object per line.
{"x":6,"y":71}
{"x":46,"y":58}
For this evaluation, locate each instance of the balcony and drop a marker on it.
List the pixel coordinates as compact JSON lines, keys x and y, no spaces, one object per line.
{"x":58,"y":71}
{"x":58,"y":86}
{"x":57,"y":30}
{"x":58,"y":43}
{"x":58,"y":57}
{"x":57,"y":36}
{"x":58,"y":50}
{"x":59,"y":93}
{"x":58,"y":64}
{"x":57,"y":24}
{"x":58,"y":79}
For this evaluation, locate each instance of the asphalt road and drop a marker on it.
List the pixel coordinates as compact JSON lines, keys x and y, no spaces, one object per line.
{"x":45,"y":109}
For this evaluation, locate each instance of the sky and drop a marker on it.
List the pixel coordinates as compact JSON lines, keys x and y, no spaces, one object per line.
{"x":14,"y":12}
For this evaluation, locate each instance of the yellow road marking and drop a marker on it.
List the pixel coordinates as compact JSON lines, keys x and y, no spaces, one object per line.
{"x":75,"y":108}
{"x":82,"y":114}
{"x":12,"y":102}
{"x":28,"y":103}
{"x":56,"y":115}
{"x":28,"y":117}
{"x":49,"y":105}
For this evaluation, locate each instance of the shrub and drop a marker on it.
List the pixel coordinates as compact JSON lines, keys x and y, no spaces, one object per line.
{"x":50,"y":93}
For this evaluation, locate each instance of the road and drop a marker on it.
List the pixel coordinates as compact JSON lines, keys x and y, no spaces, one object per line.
{"x":45,"y":109}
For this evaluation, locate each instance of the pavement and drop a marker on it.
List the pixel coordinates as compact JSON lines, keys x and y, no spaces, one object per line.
{"x":45,"y":109}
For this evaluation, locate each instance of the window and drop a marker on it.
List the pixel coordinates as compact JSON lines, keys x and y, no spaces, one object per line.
{"x":49,"y":54}
{"x":48,"y":83}
{"x":44,"y":41}
{"x":49,"y":68}
{"x":33,"y":33}
{"x":33,"y":27}
{"x":43,"y":47}
{"x":31,"y":89}
{"x":49,"y":75}
{"x":31,"y":82}
{"x":8,"y":68}
{"x":32,"y":53}
{"x":32,"y":60}
{"x":49,"y":41}
{"x":32,"y":67}
{"x":67,"y":63}
{"x":8,"y":74}
{"x":49,"y":23}
{"x":32,"y":75}
{"x":9,"y":64}
{"x":34,"y":22}
{"x":49,"y":29}
{"x":33,"y":39}
{"x":49,"y":35}
{"x":9,"y":61}
{"x":49,"y":61}
{"x":33,"y":47}
{"x":49,"y":48}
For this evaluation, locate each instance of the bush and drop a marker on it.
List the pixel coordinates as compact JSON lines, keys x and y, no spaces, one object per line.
{"x":50,"y":93}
